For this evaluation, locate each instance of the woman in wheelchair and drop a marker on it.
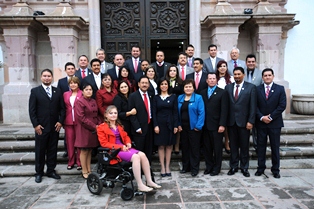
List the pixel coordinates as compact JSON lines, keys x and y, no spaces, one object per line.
{"x":111,"y":135}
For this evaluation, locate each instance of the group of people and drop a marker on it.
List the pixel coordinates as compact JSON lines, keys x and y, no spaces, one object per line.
{"x":191,"y":105}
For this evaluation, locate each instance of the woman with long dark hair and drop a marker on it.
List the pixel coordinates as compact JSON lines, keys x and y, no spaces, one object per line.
{"x":125,"y":75}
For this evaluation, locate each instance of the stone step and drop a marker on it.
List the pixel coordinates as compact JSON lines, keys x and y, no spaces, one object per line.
{"x":29,"y":145}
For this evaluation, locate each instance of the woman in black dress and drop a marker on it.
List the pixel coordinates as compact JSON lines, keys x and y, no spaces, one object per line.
{"x":165,"y":121}
{"x":121,"y":102}
{"x":153,"y":79}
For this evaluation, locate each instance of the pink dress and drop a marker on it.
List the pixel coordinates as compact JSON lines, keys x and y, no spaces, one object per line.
{"x":124,"y":155}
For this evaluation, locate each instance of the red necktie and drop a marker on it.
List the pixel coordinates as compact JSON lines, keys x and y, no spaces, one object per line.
{"x":147,"y":109}
{"x":236,"y":94}
{"x":135,"y":65}
{"x":267,"y":91}
{"x":182,"y":73}
{"x":83,"y":73}
{"x":197,"y":80}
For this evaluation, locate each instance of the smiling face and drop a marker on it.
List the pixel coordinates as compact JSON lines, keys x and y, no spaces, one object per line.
{"x":197,"y":66}
{"x":182,"y":59}
{"x":135,"y":52}
{"x":124,"y":73}
{"x":190,"y":51}
{"x":211,"y":80}
{"x":112,"y":114}
{"x":251,"y":63}
{"x":83,"y":62}
{"x":150,"y":73}
{"x":70,"y":70}
{"x":46,"y":78}
{"x":73,"y":86}
{"x":188,"y":89}
{"x":101,"y":55}
{"x":118,"y":60}
{"x":173,"y":72}
{"x":143,"y":84}
{"x":124,"y":88}
{"x":238,"y":76}
{"x":268,"y":77}
{"x":96,"y":67}
{"x":212,"y":52}
{"x":160,"y":56}
{"x":164,"y":86}
{"x":234,"y":54}
{"x":222,"y":69}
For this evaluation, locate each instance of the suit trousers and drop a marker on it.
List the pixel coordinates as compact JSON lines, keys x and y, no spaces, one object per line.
{"x":73,"y":152}
{"x":274,"y":139}
{"x":213,"y":150}
{"x":46,"y":151}
{"x":239,"y":138}
{"x":144,"y":143}
{"x":190,"y":142}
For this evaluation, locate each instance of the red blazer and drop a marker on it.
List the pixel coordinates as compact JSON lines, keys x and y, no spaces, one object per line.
{"x":104,"y":99}
{"x":107,"y":138}
{"x":68,"y":108}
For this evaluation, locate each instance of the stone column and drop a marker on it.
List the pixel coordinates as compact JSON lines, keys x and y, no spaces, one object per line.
{"x":20,"y":35}
{"x":195,"y":26}
{"x":94,"y":27}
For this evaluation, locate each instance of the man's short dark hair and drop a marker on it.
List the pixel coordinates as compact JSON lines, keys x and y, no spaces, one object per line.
{"x":142,"y":77}
{"x":239,"y":68}
{"x":268,"y":70}
{"x":183,"y":53}
{"x":199,"y":59}
{"x":136,"y":46}
{"x":68,"y":64}
{"x":83,"y":55}
{"x":190,"y":45}
{"x":250,"y":56}
{"x":46,"y":70}
{"x":94,"y":60}
{"x":212,"y":45}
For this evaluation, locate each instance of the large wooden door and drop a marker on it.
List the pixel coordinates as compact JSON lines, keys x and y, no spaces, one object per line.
{"x":125,"y":23}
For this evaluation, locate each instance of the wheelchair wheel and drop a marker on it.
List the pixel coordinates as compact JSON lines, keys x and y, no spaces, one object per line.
{"x":127,"y":193}
{"x":94,"y":184}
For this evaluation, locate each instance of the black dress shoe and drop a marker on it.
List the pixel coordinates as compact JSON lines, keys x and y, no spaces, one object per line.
{"x":54,"y":175}
{"x":194,"y":174}
{"x":38,"y":178}
{"x":258,"y":173}
{"x":245,"y":172}
{"x":183,"y":171}
{"x":206,"y":172}
{"x":232,"y":171}
{"x":276,"y":175}
{"x":214,"y":173}
{"x":65,"y":154}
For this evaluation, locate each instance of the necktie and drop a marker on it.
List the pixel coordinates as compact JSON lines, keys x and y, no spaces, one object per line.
{"x":48,"y":92}
{"x":197,"y":80}
{"x":267,"y":91}
{"x":190,"y":62}
{"x":236,"y":94}
{"x":210,"y":93}
{"x":250,"y":77}
{"x":235,"y":64}
{"x":103,"y":70}
{"x":146,"y":105}
{"x":135,"y":65}
{"x":159,"y":64}
{"x":182,"y":73}
{"x":83,"y":73}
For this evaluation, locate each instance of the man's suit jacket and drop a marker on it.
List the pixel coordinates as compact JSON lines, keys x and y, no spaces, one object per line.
{"x":274,"y":105}
{"x":188,"y":71}
{"x":91,"y":81}
{"x":166,"y":66}
{"x":63,"y":85}
{"x":68,"y":107}
{"x":140,"y":120}
{"x":216,"y":108}
{"x":107,"y":67}
{"x":112,"y":73}
{"x":202,"y":84}
{"x":45,"y":111}
{"x":244,"y":109}
{"x":208,"y":67}
{"x":256,"y":77}
{"x":78,"y":73}
{"x":240,"y":63}
{"x":139,"y":73}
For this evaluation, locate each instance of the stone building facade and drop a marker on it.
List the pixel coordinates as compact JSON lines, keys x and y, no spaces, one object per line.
{"x":67,"y":29}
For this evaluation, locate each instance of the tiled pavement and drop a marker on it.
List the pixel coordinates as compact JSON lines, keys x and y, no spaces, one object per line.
{"x":295,"y":189}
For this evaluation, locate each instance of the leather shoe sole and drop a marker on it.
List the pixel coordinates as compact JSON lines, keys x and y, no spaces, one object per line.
{"x":38,"y":178}
{"x":276,"y":175}
{"x":54,"y":176}
{"x":232,"y":171}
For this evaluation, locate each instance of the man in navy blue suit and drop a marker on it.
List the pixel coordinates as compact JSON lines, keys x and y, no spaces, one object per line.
{"x":134,"y":63}
{"x":271,"y":102}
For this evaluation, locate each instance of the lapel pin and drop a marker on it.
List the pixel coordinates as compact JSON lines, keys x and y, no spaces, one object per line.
{"x":242,"y":89}
{"x":272,"y":90}
{"x":214,"y":92}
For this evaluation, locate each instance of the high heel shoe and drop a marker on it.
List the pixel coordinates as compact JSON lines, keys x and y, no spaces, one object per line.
{"x":155,"y":186}
{"x":163,"y":174}
{"x":149,"y":189}
{"x":83,"y":175}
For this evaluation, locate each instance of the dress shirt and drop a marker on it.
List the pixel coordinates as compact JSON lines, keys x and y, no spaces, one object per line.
{"x":154,"y":84}
{"x":213,"y":60}
{"x":161,"y":63}
{"x":97,"y":79}
{"x":240,"y":88}
{"x":117,"y":71}
{"x":45,"y":88}
{"x":210,"y":91}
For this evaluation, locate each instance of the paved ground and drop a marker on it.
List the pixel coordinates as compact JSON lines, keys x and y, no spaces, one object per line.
{"x":295,"y":189}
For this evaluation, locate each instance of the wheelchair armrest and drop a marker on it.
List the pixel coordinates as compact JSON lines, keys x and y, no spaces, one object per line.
{"x":114,"y":153}
{"x":103,"y":149}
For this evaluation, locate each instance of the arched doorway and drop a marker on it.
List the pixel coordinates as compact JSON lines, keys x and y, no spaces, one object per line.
{"x":144,"y":23}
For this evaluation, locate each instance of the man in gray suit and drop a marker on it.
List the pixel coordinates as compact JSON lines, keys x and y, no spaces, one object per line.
{"x":190,"y":52}
{"x":184,"y":70}
{"x":100,"y":54}
{"x":210,"y":64}
{"x":241,"y":117}
{"x":254,"y":76}
{"x":235,"y":61}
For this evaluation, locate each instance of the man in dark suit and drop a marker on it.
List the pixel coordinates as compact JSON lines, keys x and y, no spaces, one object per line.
{"x":190,"y":52}
{"x":210,"y":64}
{"x":241,"y":118}
{"x":93,"y":79}
{"x":134,"y":64}
{"x":47,"y":113}
{"x":216,"y":113}
{"x":118,"y":63}
{"x":63,"y":85}
{"x":199,"y":76}
{"x":83,"y":70}
{"x":105,"y":66}
{"x":160,"y":65}
{"x":271,"y":102}
{"x":142,"y":122}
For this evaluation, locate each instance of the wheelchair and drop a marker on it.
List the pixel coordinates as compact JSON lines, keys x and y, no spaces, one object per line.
{"x":108,"y":175}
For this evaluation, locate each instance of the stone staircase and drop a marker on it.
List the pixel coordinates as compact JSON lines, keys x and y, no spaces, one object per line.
{"x":17,"y":144}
